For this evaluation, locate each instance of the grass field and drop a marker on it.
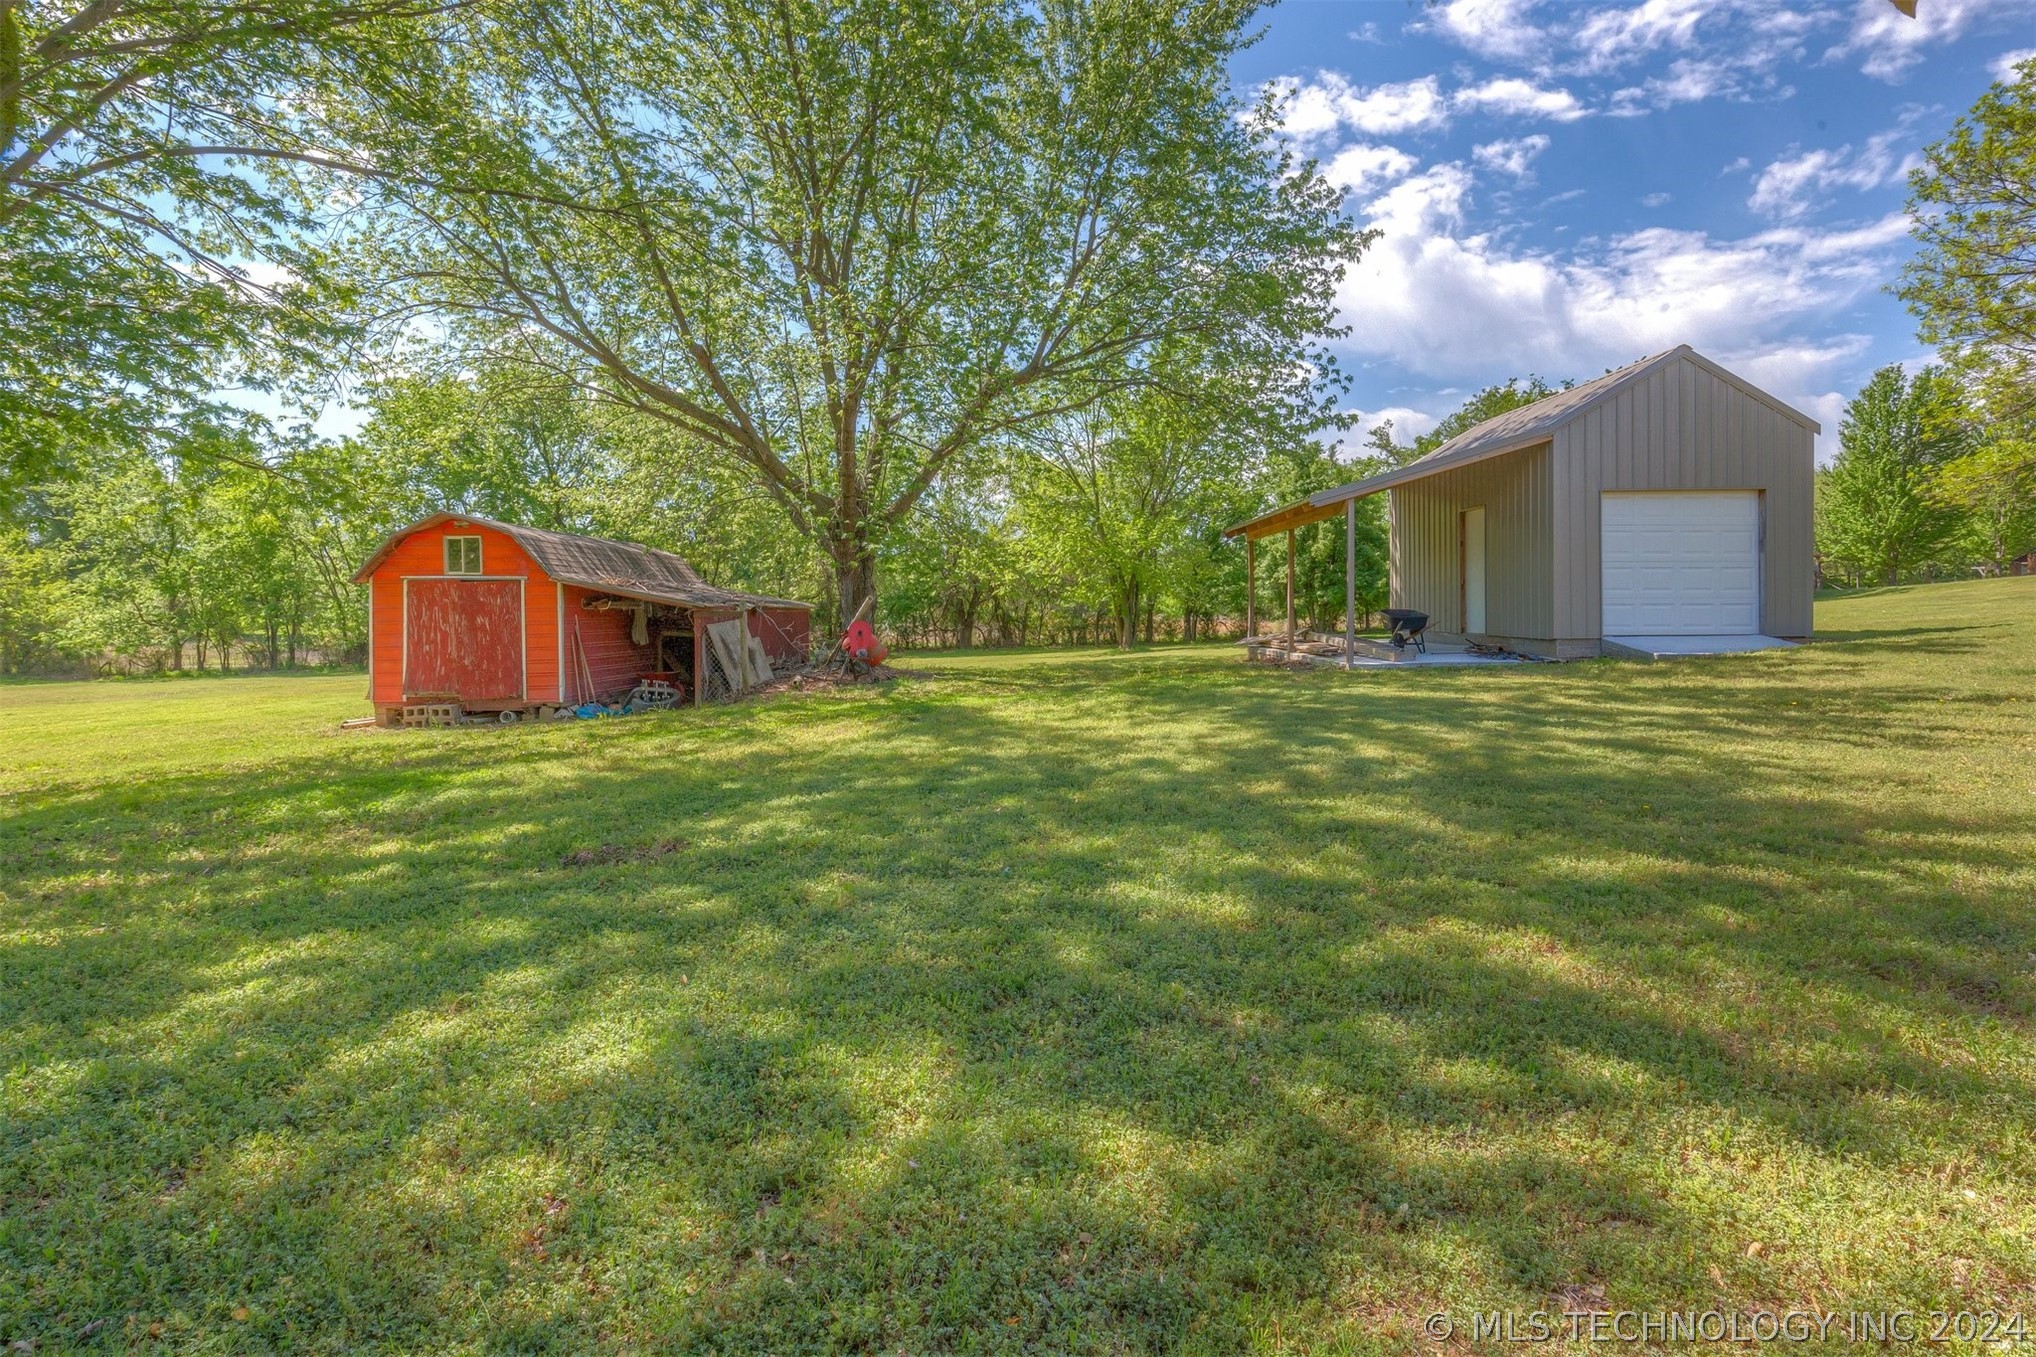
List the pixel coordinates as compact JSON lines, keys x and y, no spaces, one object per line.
{"x":1131,"y":1004}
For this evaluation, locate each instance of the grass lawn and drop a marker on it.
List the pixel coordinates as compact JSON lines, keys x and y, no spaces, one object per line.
{"x":1105,"y":1003}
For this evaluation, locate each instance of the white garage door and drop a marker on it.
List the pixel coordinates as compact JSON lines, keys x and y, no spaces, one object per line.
{"x":1682,"y":563}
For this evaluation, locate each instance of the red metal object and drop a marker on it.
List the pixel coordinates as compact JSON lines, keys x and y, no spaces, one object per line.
{"x":464,"y":637}
{"x":862,"y":644}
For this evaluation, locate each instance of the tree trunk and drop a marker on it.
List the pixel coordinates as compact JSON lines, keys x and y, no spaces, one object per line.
{"x":965,"y":631}
{"x":852,"y":584}
{"x":1127,"y":617}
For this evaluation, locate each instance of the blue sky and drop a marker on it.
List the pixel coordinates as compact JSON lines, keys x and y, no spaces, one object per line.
{"x":1566,"y":187}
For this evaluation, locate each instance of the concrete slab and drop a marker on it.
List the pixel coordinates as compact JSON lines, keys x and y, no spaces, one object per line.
{"x":1434,"y":659}
{"x":1683,"y":647}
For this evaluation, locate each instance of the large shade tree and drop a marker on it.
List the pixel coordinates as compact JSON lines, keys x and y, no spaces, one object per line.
{"x":840,"y":246}
{"x":145,"y":240}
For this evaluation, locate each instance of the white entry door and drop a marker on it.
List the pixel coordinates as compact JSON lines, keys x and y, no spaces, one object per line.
{"x":1682,"y":563}
{"x":1474,"y":571}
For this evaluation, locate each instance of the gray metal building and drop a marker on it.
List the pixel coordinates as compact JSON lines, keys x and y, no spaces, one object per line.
{"x":1668,"y":498}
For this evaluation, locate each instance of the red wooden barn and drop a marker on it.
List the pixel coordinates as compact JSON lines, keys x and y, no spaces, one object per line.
{"x":508,"y":618}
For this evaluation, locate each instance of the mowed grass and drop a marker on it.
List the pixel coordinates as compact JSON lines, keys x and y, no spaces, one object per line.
{"x":1111,"y":1004}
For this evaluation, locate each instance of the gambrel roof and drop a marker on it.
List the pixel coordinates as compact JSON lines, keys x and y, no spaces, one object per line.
{"x":626,"y":568}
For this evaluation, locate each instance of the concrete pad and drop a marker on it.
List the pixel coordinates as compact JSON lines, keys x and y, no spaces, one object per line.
{"x":1681,"y":647}
{"x":1412,"y":660}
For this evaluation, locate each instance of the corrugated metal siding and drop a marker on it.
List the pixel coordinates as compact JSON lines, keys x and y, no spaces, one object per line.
{"x":1681,"y":428}
{"x":603,"y":636}
{"x":785,"y":632}
{"x":422,"y":553}
{"x":1427,"y":565}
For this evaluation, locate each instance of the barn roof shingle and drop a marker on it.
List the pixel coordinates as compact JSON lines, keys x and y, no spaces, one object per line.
{"x":626,"y":568}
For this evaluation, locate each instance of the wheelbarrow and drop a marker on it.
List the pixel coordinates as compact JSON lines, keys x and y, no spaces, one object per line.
{"x":1407,"y":628}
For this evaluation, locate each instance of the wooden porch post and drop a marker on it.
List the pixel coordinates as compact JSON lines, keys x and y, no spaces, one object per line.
{"x":1290,"y":587}
{"x":699,"y":661}
{"x":1250,"y":586}
{"x":1349,"y":582}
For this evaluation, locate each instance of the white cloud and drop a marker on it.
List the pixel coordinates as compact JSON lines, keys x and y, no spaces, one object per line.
{"x":2003,"y":66}
{"x":1611,"y":38}
{"x":1317,"y":109}
{"x":1408,"y":425}
{"x":1690,"y":80}
{"x":1521,"y":99}
{"x":1697,"y":49}
{"x":1788,"y":187}
{"x":1502,"y":29}
{"x":1365,"y":33}
{"x":1890,"y":42}
{"x":1657,"y":200}
{"x":1362,"y":168}
{"x":1514,"y":157}
{"x":1470,"y":307}
{"x":1694,"y":49}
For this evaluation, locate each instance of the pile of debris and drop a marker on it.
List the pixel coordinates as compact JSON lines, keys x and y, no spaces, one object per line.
{"x":815,"y":677}
{"x":1296,"y":644}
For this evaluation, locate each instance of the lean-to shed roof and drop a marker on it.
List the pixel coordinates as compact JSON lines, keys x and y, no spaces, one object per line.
{"x":1510,"y":432}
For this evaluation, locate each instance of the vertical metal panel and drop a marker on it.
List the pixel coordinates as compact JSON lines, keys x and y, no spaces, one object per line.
{"x":614,"y":662}
{"x":1516,"y":493}
{"x":1681,"y":428}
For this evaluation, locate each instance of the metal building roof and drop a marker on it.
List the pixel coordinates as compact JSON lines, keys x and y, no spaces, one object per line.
{"x":1510,"y":432}
{"x":626,"y":568}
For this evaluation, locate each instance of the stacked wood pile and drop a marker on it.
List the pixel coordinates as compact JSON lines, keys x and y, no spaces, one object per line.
{"x":1298,"y":643}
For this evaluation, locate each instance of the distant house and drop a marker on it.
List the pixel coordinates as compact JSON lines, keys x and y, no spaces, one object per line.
{"x":1670,"y":498}
{"x":506,"y":618}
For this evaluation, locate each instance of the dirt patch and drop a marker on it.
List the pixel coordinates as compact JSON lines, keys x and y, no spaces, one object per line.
{"x":819,"y":679}
{"x":609,"y":854}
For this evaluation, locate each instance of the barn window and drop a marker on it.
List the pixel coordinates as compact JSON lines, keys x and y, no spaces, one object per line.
{"x":462,"y":555}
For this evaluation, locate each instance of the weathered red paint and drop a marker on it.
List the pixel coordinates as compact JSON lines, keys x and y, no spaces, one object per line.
{"x":603,"y":637}
{"x":785,"y":632}
{"x":420,"y":558}
{"x":516,"y":636}
{"x":463,"y":637}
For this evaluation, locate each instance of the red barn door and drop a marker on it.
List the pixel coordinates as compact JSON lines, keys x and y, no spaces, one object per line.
{"x":464,"y":637}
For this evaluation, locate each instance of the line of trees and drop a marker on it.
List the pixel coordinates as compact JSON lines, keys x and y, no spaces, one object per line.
{"x":879,"y":275}
{"x":232,"y":547}
{"x":1007,"y":307}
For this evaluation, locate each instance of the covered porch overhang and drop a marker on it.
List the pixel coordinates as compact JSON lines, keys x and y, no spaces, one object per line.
{"x":1317,"y":508}
{"x":1324,"y":505}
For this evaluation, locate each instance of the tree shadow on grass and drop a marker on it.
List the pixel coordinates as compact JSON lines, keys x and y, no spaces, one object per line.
{"x":959,"y":1026}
